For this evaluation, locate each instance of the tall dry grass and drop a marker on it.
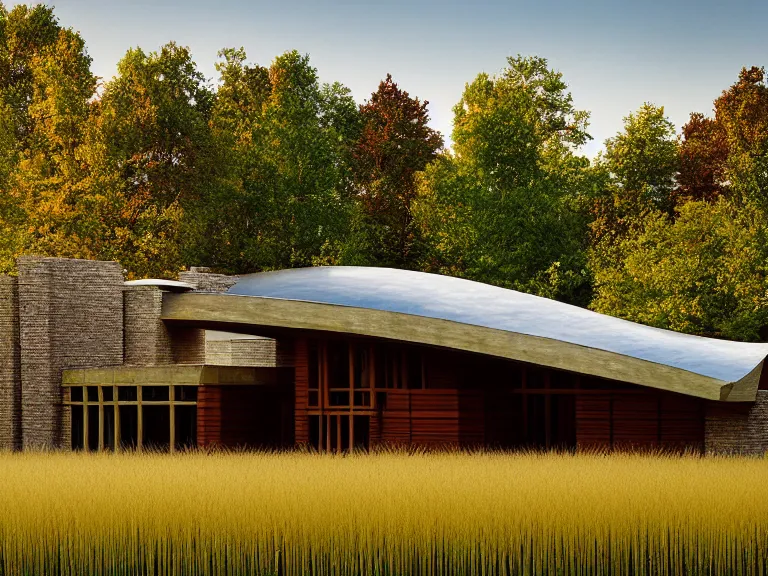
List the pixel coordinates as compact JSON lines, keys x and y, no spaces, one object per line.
{"x":386,"y":513}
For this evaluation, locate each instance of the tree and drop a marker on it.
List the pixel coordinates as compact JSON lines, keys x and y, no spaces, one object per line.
{"x":394,"y":144}
{"x":705,"y":273}
{"x":637,"y":175}
{"x":643,"y":162}
{"x":728,"y":154}
{"x":742,"y":111}
{"x":513,"y":188}
{"x":285,"y":200}
{"x":45,"y":87}
{"x":703,"y":155}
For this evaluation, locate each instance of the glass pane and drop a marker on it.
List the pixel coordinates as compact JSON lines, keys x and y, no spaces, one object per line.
{"x":313,"y":398}
{"x":93,"y":393}
{"x":76,"y":394}
{"x":157,"y":427}
{"x":77,"y":425}
{"x":109,"y":428}
{"x":126,"y":394}
{"x":186,"y":427}
{"x":314,"y":360}
{"x":185,"y":393}
{"x":129,"y":425}
{"x":338,"y":364}
{"x":106,"y":393}
{"x":154,"y":394}
{"x":93,"y":428}
{"x":338,"y":398}
{"x":413,"y":358}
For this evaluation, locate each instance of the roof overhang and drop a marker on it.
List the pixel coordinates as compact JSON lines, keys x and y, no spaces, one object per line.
{"x":173,"y":374}
{"x":254,"y":314}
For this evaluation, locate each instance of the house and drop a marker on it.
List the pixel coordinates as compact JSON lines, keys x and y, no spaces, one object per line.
{"x":342,"y":357}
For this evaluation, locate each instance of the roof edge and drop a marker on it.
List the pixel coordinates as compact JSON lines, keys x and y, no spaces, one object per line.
{"x":227,"y":311}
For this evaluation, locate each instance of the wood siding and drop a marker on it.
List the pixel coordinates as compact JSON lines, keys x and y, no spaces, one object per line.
{"x":244,"y":415}
{"x":430,"y":418}
{"x":301,"y":386}
{"x":639,"y":419}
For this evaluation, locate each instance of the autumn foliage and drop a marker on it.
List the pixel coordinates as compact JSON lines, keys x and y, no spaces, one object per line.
{"x":160,"y":168}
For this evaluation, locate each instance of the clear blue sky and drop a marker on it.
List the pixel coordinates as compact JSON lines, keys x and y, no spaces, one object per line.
{"x":614,"y":55}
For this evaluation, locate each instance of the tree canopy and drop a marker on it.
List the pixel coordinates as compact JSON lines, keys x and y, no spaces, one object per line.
{"x":267,"y":167}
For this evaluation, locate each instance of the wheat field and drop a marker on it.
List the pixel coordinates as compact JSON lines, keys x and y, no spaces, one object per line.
{"x":388,"y":513}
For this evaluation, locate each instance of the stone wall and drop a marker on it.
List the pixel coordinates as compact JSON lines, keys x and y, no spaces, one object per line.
{"x":70,"y":316}
{"x":248,"y":352}
{"x":10,"y":368}
{"x":737,"y":428}
{"x":148,"y":342}
{"x":204,"y":281}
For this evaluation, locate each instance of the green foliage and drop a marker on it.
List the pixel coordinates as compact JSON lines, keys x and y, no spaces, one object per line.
{"x":643,"y":162}
{"x":703,"y":273}
{"x":678,"y":238}
{"x":274,"y":169}
{"x":151,"y":156}
{"x":503,"y":208}
{"x":285,"y":197}
{"x":45,"y":86}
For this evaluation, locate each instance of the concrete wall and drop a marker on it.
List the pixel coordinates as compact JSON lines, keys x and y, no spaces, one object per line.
{"x":70,"y":316}
{"x":10,"y":365}
{"x":738,"y":428}
{"x":148,"y":342}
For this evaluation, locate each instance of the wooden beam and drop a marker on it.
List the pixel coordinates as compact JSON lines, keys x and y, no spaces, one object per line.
{"x":547,"y":410}
{"x":372,"y":377}
{"x":323,"y":396}
{"x":172,"y":410}
{"x":139,"y":420}
{"x":85,"y":419}
{"x":101,"y":418}
{"x":351,"y":358}
{"x":403,"y":369}
{"x":116,"y":419}
{"x":524,"y":386}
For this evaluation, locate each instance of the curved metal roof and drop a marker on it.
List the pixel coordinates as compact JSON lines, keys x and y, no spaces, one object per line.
{"x":473,"y":303}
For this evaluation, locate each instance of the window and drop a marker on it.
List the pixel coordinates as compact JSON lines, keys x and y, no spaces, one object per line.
{"x":134,"y":418}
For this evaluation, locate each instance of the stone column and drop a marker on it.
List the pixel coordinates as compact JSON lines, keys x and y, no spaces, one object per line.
{"x":70,"y":316}
{"x":10,"y":367}
{"x":148,"y":341}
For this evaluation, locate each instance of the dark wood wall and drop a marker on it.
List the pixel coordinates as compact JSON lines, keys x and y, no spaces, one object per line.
{"x":641,"y":418}
{"x":430,"y":418}
{"x":463,"y":399}
{"x":301,"y":371}
{"x":256,"y":416}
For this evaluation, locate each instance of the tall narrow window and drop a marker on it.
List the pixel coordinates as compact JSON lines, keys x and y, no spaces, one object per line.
{"x":77,"y":425}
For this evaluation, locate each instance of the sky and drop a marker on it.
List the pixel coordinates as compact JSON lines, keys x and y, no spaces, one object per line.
{"x":614,"y":55}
